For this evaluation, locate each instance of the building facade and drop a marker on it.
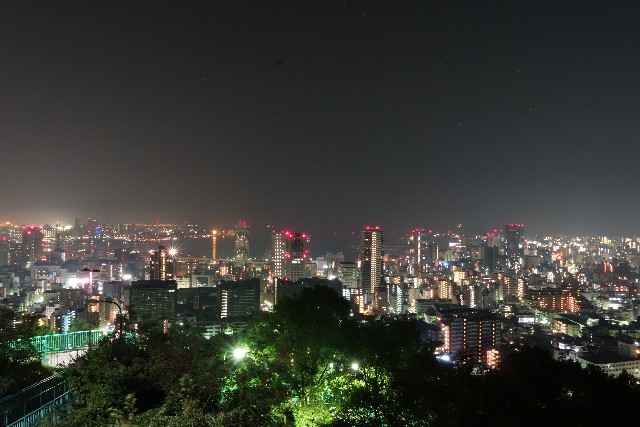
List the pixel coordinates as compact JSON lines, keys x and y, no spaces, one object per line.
{"x":371,"y":259}
{"x":152,"y":300}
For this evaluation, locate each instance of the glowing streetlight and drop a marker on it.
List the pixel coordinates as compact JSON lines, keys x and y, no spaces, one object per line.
{"x":239,"y":353}
{"x":355,"y":366}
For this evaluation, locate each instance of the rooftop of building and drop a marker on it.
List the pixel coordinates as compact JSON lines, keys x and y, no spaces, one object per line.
{"x":466,"y":313}
{"x":604,"y":357}
{"x":154,"y":284}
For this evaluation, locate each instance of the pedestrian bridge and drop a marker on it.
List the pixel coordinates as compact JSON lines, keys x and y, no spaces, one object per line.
{"x":59,"y":350}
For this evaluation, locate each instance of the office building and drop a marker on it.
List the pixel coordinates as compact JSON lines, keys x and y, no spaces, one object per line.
{"x":348,"y":274}
{"x":152,"y":300}
{"x":239,"y":298}
{"x":201,"y":303}
{"x":289,"y":256}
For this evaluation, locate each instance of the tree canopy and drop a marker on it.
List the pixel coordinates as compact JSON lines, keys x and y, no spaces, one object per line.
{"x":310,"y":364}
{"x":19,"y":360}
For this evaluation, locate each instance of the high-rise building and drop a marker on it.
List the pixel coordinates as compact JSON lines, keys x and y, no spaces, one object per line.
{"x":296,"y":255}
{"x":160,"y":267}
{"x":418,"y":250}
{"x":278,"y":250}
{"x":32,"y":246}
{"x":152,"y":300}
{"x":434,"y":251}
{"x":488,"y":254}
{"x":242,"y":242}
{"x":514,"y":240}
{"x":371,"y":259}
{"x":288,"y":255}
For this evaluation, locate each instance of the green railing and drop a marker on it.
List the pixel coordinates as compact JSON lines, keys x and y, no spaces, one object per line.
{"x":29,"y":405}
{"x":70,"y":341}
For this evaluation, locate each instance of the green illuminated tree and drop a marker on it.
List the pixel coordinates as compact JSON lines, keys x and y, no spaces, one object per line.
{"x":19,"y":360}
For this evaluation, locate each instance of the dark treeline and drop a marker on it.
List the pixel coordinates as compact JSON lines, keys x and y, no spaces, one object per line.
{"x":310,"y":363}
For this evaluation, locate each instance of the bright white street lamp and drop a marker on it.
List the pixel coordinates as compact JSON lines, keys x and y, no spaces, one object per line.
{"x":239,"y":353}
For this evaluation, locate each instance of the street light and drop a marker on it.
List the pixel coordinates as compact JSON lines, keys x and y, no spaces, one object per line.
{"x":239,"y":353}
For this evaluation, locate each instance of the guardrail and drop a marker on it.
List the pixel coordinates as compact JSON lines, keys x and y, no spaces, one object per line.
{"x":31,"y":404}
{"x":71,"y":340}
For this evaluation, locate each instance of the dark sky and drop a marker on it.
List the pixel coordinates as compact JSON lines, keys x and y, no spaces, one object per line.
{"x":323,"y":116}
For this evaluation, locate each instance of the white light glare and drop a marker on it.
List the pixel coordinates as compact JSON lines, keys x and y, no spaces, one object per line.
{"x":239,"y":353}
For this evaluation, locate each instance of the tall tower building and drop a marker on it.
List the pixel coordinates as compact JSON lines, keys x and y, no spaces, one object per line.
{"x":418,"y":250}
{"x":32,"y":247}
{"x":278,"y":249}
{"x":371,"y":258}
{"x":160,"y":267}
{"x":514,"y":240}
{"x":242,"y":241}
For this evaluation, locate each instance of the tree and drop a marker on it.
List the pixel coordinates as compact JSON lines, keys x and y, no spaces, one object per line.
{"x":83,"y":325}
{"x":19,"y":361}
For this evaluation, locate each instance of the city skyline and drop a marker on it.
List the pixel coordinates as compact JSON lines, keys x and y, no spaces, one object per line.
{"x":194,"y":240}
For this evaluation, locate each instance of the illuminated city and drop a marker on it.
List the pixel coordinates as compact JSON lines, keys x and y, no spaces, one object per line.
{"x":474,"y":298}
{"x":319,"y":213}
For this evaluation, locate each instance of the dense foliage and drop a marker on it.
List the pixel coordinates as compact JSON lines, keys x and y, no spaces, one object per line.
{"x":19,"y":361}
{"x":310,"y":364}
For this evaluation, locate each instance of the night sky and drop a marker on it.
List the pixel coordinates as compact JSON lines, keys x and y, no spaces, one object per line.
{"x":323,"y":116}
